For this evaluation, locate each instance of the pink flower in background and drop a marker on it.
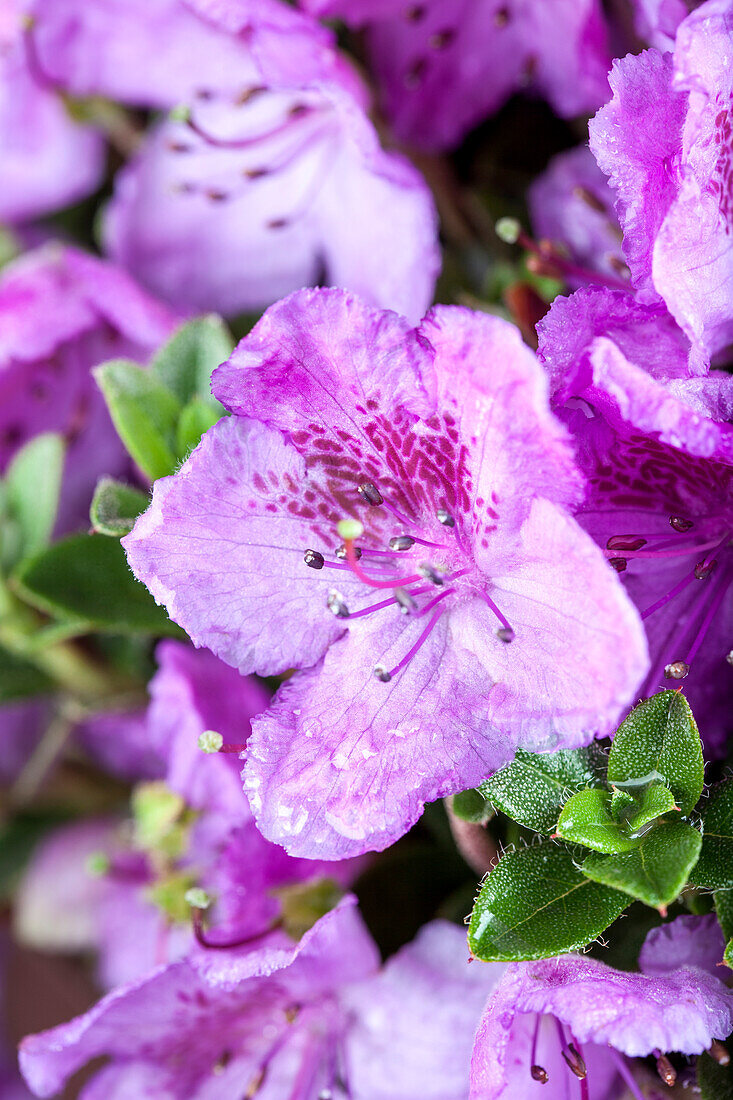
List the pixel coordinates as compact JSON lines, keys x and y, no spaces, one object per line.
{"x":444,"y":66}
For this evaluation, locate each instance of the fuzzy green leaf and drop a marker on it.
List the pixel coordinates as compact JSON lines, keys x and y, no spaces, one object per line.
{"x":586,"y":819}
{"x":536,"y":903}
{"x":144,"y":412}
{"x":659,"y":741}
{"x":714,"y":869}
{"x":656,"y":871}
{"x":534,"y":786}
{"x":115,"y":507}
{"x":185,"y":364}
{"x":645,"y":806}
{"x":32,"y":486}
{"x":715,"y":1082}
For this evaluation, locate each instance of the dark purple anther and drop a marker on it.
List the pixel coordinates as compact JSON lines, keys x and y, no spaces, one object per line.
{"x":314,"y":559}
{"x":370,"y":493}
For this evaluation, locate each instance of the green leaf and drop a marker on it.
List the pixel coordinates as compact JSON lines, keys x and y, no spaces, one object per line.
{"x":651,"y":802}
{"x":33,"y":483}
{"x":657,"y":870}
{"x":535,"y":903}
{"x":185,"y":364}
{"x":144,"y":412}
{"x":534,"y":786}
{"x":115,"y":507}
{"x":714,"y":869}
{"x":195,"y":419}
{"x":715,"y":1082}
{"x":659,"y":741}
{"x":724,"y":909}
{"x":20,"y":680}
{"x":87,"y":577}
{"x":586,"y":819}
{"x":472,"y":806}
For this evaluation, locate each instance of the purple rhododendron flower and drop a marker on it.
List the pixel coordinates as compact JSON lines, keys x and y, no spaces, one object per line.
{"x":657,"y":448}
{"x":276,"y":180}
{"x":443,"y":68}
{"x":48,"y":159}
{"x":61,"y":906}
{"x":61,"y":313}
{"x":664,"y":141}
{"x":572,"y":204}
{"x":309,"y":1021}
{"x":657,"y":20}
{"x":548,"y":1022}
{"x":497,"y":624}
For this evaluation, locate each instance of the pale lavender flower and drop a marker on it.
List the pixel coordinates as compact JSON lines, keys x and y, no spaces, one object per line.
{"x":571,"y":205}
{"x":664,"y":141}
{"x":567,"y":1026}
{"x":443,"y":67}
{"x":463,"y":631}
{"x":61,"y":313}
{"x":313,"y":1021}
{"x":48,"y":159}
{"x":62,"y":906}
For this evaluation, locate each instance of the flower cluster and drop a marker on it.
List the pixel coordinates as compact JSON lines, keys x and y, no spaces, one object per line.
{"x":366,"y":527}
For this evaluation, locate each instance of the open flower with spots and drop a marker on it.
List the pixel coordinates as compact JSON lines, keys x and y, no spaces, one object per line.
{"x":459,"y":614}
{"x":271,"y":176}
{"x":312,"y":1021}
{"x":443,"y":66}
{"x":656,"y":445}
{"x":664,"y":141}
{"x":570,"y":1027}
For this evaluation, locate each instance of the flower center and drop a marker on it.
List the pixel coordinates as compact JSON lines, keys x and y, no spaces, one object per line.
{"x":424,"y":590}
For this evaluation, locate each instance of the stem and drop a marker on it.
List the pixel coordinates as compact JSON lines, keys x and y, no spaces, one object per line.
{"x":474,"y":842}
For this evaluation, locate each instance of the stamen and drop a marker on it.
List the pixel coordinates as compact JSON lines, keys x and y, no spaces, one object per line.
{"x":574,"y":1061}
{"x":705,"y":568}
{"x":401,"y":542}
{"x":670,"y":595}
{"x":665,"y":1069}
{"x":537,"y":1072}
{"x":370,"y":493}
{"x":546,"y":259}
{"x":197,"y":920}
{"x":625,"y":542}
{"x":386,"y":675}
{"x":395,"y":582}
{"x":314,"y":559}
{"x":507,"y":633}
{"x":677,"y":670}
{"x":336,"y":604}
{"x":430,"y":574}
{"x":719,"y":1053}
{"x":445,"y":518}
{"x":619,"y":564}
{"x":626,"y":1074}
{"x":659,"y":552}
{"x":711,"y":612}
{"x":681,"y":525}
{"x":341,"y":552}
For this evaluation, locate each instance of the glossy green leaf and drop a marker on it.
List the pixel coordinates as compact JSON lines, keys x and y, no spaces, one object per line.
{"x":87,"y":577}
{"x":714,"y":869}
{"x":659,"y":741}
{"x":472,"y":806}
{"x":20,"y":679}
{"x":185,"y":364}
{"x":32,"y":486}
{"x":144,"y":412}
{"x":714,"y":1081}
{"x":586,"y":819}
{"x":195,"y":419}
{"x":115,"y":507}
{"x":536,"y":903}
{"x":657,"y":870}
{"x":534,"y":786}
{"x":647,"y":805}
